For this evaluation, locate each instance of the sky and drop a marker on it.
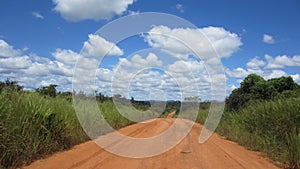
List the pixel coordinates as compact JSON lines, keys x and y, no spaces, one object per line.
{"x":45,"y":42}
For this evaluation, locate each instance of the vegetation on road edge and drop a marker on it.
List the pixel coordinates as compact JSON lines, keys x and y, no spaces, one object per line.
{"x":262,"y":115}
{"x":265,"y":116}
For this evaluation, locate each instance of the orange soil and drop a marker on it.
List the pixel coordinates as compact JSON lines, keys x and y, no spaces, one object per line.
{"x":216,"y":153}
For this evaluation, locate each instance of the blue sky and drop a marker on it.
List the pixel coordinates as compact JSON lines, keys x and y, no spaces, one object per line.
{"x":41,"y":41}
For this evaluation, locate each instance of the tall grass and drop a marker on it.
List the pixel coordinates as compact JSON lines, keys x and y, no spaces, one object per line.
{"x":33,"y":126}
{"x":269,"y":126}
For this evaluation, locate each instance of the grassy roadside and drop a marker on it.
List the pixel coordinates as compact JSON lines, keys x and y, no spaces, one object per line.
{"x":272,"y":127}
{"x":33,"y":126}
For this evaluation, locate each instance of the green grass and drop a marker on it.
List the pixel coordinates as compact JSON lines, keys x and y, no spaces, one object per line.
{"x":33,"y":126}
{"x":272,"y":127}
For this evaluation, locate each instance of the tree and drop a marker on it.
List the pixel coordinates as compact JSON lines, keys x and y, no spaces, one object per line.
{"x":263,"y":91}
{"x":250,"y":81}
{"x":48,"y":90}
{"x":237,"y":99}
{"x":254,"y":87}
{"x":283,"y":83}
{"x":11,"y":85}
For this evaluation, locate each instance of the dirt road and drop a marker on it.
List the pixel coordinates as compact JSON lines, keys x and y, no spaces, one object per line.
{"x":216,"y":153}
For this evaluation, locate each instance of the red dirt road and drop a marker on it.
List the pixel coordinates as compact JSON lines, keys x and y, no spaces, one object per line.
{"x":216,"y":153}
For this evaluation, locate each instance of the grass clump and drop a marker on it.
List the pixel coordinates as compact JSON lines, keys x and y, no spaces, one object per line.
{"x":33,"y":126}
{"x":269,"y":126}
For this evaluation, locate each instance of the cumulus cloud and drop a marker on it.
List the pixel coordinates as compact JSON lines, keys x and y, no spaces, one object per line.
{"x":37,"y":15}
{"x":98,"y":46}
{"x":237,"y":73}
{"x":34,"y":71}
{"x":137,"y":61}
{"x":64,"y":56}
{"x":7,"y":50}
{"x":269,"y":74}
{"x":76,"y":10}
{"x":12,"y":63}
{"x":255,"y":63}
{"x":282,"y":61}
{"x":142,"y":77}
{"x":203,"y":40}
{"x":271,"y":67}
{"x":296,"y":77}
{"x":268,"y":39}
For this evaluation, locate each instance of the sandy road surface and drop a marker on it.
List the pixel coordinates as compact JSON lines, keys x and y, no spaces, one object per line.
{"x":216,"y":153}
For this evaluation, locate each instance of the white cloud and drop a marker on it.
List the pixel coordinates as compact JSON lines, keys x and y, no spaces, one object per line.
{"x":255,"y":63}
{"x":230,"y":88}
{"x":65,"y":56}
{"x":237,"y":73}
{"x":98,"y":46}
{"x":202,"y":40}
{"x":8,"y":51}
{"x":76,"y":10}
{"x":138,"y":62}
{"x":180,"y":8}
{"x":37,"y":15}
{"x":296,"y":77}
{"x":268,"y":39}
{"x":33,"y":71}
{"x":133,"y":12}
{"x":274,"y":74}
{"x":272,"y":67}
{"x":12,"y":63}
{"x":255,"y":66}
{"x":282,"y":61}
{"x":181,"y":66}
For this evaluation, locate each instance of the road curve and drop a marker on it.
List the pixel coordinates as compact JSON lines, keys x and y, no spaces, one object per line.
{"x":216,"y":153}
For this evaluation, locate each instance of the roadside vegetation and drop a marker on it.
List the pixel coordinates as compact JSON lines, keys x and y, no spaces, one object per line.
{"x":262,"y":115}
{"x":34,"y":124}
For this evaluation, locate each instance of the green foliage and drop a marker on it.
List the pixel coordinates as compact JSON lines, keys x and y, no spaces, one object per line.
{"x":170,"y":107}
{"x":250,"y":81}
{"x":48,"y":90}
{"x":33,"y":126}
{"x":269,"y":126}
{"x":265,"y":116}
{"x":10,"y":85}
{"x":255,"y":87}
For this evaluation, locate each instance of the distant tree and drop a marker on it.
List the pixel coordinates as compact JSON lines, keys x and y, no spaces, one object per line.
{"x":132,"y":100}
{"x":48,"y":90}
{"x":101,"y":97}
{"x":11,"y":85}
